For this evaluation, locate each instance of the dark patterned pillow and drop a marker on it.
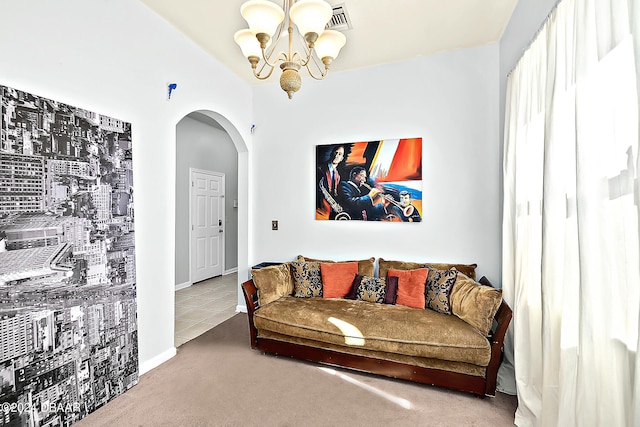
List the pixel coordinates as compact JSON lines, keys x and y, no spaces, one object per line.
{"x":378,"y":290}
{"x":307,"y":281}
{"x":438,"y":290}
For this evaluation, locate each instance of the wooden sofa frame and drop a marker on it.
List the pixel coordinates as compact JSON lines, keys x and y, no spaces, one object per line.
{"x":477,"y":385}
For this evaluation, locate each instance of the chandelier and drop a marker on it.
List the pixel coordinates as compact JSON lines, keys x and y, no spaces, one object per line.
{"x":267,"y":23}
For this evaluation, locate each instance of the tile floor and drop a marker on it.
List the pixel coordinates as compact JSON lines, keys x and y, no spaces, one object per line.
{"x":204,"y":305}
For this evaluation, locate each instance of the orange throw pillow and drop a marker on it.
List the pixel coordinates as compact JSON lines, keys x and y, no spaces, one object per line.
{"x":411,"y":285}
{"x":337,"y":278}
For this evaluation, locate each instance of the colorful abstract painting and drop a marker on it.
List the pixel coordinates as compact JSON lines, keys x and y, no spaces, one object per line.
{"x":68,"y":322}
{"x":370,"y":181}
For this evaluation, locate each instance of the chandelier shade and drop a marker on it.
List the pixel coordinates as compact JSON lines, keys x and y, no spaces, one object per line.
{"x":310,"y":16}
{"x":269,"y":24}
{"x":329,"y":44}
{"x":248,"y":43}
{"x":262,"y":16}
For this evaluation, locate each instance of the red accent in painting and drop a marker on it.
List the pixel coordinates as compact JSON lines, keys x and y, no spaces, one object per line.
{"x":407,"y":162}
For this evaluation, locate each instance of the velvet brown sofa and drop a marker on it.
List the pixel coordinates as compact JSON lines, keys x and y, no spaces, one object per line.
{"x":391,"y":339}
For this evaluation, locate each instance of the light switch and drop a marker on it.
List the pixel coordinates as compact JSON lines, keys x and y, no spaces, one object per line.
{"x":274,"y":224}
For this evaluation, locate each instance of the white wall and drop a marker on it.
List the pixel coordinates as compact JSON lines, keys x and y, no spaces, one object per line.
{"x":450,"y":100}
{"x":116,"y":57}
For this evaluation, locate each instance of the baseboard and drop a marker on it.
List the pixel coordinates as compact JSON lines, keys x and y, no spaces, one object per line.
{"x":241,"y":308}
{"x":157,"y":361}
{"x":183,"y":285}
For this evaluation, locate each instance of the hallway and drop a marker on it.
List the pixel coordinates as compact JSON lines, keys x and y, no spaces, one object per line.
{"x":204,"y":305}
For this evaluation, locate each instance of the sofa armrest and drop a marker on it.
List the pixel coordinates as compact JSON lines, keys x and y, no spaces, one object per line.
{"x":496,"y":339}
{"x":501,"y":319}
{"x":251,"y":299}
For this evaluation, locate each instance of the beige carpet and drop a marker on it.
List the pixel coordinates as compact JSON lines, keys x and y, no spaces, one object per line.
{"x":217,"y":380}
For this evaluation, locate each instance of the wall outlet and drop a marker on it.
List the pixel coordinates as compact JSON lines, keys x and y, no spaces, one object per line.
{"x":274,"y":224}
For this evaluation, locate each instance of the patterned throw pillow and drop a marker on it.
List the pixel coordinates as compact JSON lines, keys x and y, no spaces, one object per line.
{"x":438,"y":290}
{"x":372,"y":289}
{"x":307,"y":281}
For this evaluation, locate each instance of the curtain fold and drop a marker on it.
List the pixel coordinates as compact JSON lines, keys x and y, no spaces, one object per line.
{"x":571,"y":241}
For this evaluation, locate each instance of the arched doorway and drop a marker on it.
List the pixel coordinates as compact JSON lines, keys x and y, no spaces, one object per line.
{"x":204,"y":145}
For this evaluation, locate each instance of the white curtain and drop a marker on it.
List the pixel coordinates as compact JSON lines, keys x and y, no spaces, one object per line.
{"x":571,"y":241}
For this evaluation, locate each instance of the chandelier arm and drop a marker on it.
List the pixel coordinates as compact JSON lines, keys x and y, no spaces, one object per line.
{"x":257,"y":74}
{"x":297,"y":56}
{"x":266,"y":58}
{"x":274,"y":43}
{"x":311,"y":58}
{"x":307,"y":51}
{"x":264,"y":64}
{"x":318,"y":67}
{"x":322,"y":74}
{"x":309,"y":54}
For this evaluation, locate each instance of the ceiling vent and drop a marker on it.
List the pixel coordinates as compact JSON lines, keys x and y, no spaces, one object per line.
{"x":340,"y":19}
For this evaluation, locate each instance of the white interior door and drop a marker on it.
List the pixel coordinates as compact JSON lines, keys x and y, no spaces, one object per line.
{"x":207,"y":224}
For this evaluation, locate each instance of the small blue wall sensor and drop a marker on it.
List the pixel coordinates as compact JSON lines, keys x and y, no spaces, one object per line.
{"x":172,"y":87}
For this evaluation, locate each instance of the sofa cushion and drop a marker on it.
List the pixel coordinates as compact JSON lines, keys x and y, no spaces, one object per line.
{"x":373,"y":289}
{"x":337,"y":278}
{"x":411,"y":285}
{"x":307,"y":281}
{"x":272,"y":282}
{"x":438,"y":290}
{"x":385,"y":265}
{"x":423,"y":362}
{"x":474,"y":303}
{"x":366,"y":267}
{"x":380,"y":327}
{"x":468,"y":269}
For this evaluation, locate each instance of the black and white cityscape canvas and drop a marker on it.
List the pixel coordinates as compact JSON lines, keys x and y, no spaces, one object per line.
{"x":68,"y":328}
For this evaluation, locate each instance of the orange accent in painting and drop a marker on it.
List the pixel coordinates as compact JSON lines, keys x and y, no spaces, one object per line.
{"x":407,"y":162}
{"x":356,"y":157}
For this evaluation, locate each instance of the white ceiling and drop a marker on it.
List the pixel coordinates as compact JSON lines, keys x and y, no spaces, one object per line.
{"x":383,"y":30}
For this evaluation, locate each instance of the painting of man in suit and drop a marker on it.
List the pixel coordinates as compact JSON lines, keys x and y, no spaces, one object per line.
{"x":370,"y":181}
